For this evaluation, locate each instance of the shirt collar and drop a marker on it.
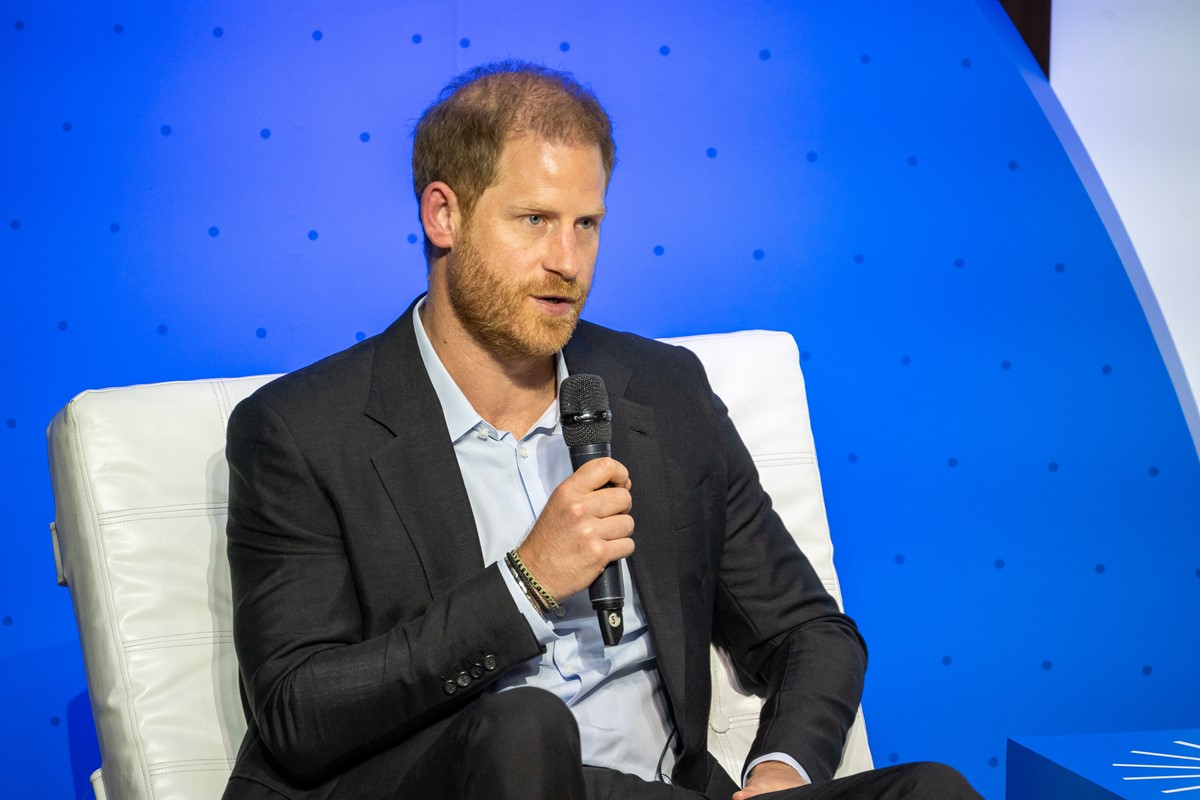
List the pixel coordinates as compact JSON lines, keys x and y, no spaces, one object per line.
{"x":461,"y":416}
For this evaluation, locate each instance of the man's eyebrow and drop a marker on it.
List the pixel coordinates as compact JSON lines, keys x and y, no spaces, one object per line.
{"x":535,"y":208}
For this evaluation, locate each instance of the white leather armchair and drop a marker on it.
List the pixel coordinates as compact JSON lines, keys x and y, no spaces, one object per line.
{"x":140,"y":478}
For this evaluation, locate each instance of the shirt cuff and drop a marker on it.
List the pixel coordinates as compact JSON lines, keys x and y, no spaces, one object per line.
{"x":784,"y":757}
{"x":542,"y":629}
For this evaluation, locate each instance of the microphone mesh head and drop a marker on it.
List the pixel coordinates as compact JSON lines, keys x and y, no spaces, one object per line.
{"x":583,"y":404}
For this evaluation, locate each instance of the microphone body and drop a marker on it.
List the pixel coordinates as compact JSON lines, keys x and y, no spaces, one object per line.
{"x":607,"y":592}
{"x":587,"y":429}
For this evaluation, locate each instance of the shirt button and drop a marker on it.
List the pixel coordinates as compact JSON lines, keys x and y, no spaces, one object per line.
{"x":481,"y":433}
{"x":524,"y":451}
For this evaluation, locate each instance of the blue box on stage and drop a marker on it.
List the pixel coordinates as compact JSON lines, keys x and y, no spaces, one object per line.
{"x":1103,"y":766}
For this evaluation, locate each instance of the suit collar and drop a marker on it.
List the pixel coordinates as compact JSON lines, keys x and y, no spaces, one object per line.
{"x":418,"y":468}
{"x":399,"y":385}
{"x":585,"y":355}
{"x":461,"y":417}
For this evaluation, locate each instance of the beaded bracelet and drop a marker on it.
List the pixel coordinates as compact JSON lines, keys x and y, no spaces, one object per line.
{"x":534,"y":601}
{"x":520,"y":573}
{"x":515,"y":560}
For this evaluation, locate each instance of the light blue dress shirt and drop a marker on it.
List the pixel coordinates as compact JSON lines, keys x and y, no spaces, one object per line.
{"x":615,"y":693}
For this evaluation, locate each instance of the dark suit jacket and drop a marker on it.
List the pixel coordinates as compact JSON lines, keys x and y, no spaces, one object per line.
{"x":359,"y":586}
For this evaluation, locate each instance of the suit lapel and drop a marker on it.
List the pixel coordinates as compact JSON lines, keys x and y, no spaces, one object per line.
{"x":418,"y":469}
{"x":636,"y":445}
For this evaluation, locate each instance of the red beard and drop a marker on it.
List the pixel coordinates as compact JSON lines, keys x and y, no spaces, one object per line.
{"x":501,"y":314}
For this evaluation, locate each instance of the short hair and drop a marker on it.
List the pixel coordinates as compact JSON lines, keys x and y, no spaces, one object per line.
{"x":459,"y":138}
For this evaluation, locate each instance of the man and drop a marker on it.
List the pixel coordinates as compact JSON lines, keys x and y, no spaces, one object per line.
{"x":409,"y":545}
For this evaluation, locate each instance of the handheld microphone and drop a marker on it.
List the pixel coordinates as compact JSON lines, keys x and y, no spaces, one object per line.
{"x":587,"y":429}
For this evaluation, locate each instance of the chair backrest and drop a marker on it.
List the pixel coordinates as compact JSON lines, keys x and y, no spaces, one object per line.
{"x":757,"y":375}
{"x":140,"y":480}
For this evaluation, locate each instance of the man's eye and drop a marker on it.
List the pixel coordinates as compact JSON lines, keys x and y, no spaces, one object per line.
{"x":534,"y":219}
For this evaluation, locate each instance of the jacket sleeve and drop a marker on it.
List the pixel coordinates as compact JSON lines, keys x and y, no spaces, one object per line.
{"x":320,"y":693}
{"x":783,"y":631}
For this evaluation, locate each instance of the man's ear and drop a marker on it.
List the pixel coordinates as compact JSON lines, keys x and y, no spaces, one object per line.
{"x":439,"y":214}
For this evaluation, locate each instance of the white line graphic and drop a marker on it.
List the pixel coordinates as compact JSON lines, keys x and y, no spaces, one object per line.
{"x":1181,"y":772}
{"x":1163,"y":755}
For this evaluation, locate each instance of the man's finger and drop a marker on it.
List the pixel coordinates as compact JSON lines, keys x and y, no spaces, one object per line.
{"x":601,"y":472}
{"x":609,"y":501}
{"x":616,"y":527}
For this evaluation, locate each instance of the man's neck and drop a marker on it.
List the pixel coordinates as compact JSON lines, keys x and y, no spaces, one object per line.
{"x":510,"y":393}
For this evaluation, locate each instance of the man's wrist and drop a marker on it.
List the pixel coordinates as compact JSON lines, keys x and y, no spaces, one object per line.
{"x":780,"y":758}
{"x":526,"y":606}
{"x":545,"y":601}
{"x":524,"y":587}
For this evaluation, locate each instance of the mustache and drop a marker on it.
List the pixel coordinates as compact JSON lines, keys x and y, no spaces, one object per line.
{"x":555,"y":287}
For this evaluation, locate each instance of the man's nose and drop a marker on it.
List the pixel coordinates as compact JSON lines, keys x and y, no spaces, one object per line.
{"x":562,"y":253}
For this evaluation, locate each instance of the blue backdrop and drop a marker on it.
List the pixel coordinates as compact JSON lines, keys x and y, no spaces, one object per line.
{"x":216,"y":188}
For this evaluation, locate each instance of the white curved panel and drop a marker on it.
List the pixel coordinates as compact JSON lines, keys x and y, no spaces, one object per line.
{"x":1127,"y":73}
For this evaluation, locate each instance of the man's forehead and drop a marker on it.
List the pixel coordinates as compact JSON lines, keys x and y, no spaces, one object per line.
{"x":528,"y":142}
{"x":529,"y":159}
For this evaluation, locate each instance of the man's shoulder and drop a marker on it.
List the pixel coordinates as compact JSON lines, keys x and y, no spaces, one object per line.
{"x":338,"y":382}
{"x":633,"y":350}
{"x":645,"y":371}
{"x":335,"y":375}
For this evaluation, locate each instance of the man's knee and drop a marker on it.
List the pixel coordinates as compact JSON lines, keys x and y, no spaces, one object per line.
{"x":515,"y":744}
{"x":534,"y":717}
{"x":521,"y":743}
{"x":931,"y":779}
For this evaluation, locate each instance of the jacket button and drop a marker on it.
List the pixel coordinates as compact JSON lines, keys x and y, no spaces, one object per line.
{"x":476,"y":671}
{"x":449,"y":687}
{"x":463,"y":679}
{"x":490,"y":663}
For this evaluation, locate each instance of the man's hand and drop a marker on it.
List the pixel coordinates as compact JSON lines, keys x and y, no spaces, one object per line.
{"x":770,"y":776}
{"x":585,"y":525}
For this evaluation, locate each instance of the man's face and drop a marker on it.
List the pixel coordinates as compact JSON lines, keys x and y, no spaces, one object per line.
{"x":521,"y":268}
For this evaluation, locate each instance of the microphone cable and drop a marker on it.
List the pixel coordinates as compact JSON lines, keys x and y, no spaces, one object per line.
{"x":658,"y":773}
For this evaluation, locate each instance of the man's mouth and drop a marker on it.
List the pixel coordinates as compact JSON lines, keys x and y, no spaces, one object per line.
{"x":556,"y":304}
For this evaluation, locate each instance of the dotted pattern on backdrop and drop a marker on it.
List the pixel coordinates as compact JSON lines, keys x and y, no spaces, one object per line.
{"x":1009,"y":478}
